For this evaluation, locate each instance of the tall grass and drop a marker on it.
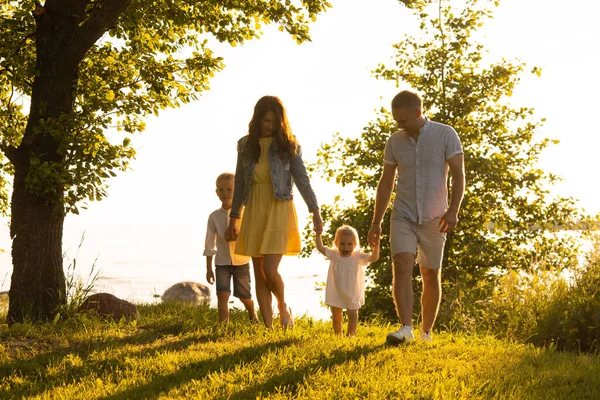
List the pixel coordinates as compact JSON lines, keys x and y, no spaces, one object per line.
{"x":180,"y":352}
{"x":78,"y":288}
{"x":539,"y":307}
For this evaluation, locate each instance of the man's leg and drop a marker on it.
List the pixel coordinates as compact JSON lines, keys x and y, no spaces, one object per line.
{"x":403,"y":243}
{"x":402,"y":289}
{"x":429,"y":257}
{"x":431,"y":297}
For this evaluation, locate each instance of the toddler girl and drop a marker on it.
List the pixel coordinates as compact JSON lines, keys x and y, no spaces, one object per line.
{"x":346,"y":277}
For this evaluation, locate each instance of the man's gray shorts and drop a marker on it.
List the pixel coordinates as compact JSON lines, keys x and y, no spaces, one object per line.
{"x":241,"y":280}
{"x":424,"y":240}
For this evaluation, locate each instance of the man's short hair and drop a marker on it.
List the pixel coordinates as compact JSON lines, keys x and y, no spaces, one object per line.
{"x":407,"y":99}
{"x":225,"y":176}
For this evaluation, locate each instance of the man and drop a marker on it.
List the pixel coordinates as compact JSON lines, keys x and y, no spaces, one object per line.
{"x":420,"y":153}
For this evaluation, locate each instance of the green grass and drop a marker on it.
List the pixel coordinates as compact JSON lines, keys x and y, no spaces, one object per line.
{"x":183,"y":352}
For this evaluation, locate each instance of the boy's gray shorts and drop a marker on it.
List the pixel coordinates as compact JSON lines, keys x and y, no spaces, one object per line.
{"x":424,"y":240}
{"x":241,"y":280}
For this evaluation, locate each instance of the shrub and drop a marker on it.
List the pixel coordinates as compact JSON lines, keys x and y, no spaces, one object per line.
{"x":541,"y":307}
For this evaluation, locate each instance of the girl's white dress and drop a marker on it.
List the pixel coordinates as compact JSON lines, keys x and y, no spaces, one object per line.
{"x":346,"y":279}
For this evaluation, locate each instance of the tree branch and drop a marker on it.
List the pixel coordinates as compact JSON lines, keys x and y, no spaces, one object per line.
{"x":9,"y":151}
{"x":102,"y":18}
{"x":443,"y":37}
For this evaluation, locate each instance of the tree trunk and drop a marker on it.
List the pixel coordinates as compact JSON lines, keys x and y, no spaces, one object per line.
{"x":66,"y":30}
{"x":38,"y":285}
{"x":38,"y":282}
{"x":37,"y":209}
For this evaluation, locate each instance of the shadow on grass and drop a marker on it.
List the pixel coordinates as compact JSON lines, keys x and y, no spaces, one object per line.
{"x":198,"y":370}
{"x":549,"y":374}
{"x":291,"y":379}
{"x":29,"y":369}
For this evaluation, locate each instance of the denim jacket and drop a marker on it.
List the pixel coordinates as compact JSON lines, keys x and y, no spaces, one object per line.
{"x":284,"y":173}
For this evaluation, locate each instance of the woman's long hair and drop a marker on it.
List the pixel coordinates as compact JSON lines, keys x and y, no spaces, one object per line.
{"x":282,"y":135}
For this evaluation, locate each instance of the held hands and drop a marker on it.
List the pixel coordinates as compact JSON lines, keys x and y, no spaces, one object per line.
{"x":317,"y":223}
{"x":374,"y":234}
{"x":232,"y":230}
{"x":448,"y":221}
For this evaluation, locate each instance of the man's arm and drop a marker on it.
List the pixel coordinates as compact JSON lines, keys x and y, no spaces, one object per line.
{"x":457,"y":169}
{"x":382,"y":200}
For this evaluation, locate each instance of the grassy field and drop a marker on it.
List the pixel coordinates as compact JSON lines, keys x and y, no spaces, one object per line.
{"x":182,"y":352}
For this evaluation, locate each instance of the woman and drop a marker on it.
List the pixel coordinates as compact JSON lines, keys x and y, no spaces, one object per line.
{"x":269,"y":162}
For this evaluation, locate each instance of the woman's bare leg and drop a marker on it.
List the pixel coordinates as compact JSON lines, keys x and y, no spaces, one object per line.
{"x":275,"y":282}
{"x":263,"y":294}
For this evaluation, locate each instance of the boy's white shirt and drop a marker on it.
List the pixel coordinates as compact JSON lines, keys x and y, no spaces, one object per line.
{"x":215,"y":243}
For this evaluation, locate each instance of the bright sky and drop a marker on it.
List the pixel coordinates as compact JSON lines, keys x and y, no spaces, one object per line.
{"x":327,"y":87}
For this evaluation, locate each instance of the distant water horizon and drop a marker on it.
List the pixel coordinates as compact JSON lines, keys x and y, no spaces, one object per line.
{"x":138,"y":262}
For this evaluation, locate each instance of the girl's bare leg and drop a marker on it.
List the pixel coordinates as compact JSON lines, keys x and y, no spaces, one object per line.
{"x":352,"y":321}
{"x":336,"y":318}
{"x":263,"y":294}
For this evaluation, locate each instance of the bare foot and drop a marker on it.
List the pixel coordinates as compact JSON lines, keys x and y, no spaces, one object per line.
{"x":287,"y":321}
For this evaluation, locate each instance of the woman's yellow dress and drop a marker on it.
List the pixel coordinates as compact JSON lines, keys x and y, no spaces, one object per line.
{"x":269,"y":225}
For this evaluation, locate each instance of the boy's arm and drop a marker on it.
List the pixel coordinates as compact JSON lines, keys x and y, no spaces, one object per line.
{"x":375,"y":254}
{"x":210,"y":249}
{"x":319,"y":244}
{"x":210,"y":276}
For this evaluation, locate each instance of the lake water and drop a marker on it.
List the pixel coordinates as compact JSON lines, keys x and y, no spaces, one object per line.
{"x":139,"y":261}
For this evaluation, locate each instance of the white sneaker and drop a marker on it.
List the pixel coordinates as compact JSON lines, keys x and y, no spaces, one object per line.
{"x":426,"y":336}
{"x":402,"y":335}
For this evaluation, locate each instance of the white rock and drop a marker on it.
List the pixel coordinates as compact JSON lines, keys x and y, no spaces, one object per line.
{"x":188,"y":292}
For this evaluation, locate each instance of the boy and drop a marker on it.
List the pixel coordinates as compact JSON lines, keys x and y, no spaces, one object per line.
{"x":227,"y":264}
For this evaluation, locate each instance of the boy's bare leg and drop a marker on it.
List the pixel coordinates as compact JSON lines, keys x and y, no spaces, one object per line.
{"x":263,"y":294}
{"x":249,"y":304}
{"x":223,"y":306}
{"x":431,"y":297}
{"x":336,"y":318}
{"x":275,"y":283}
{"x":402,"y":289}
{"x":352,"y":321}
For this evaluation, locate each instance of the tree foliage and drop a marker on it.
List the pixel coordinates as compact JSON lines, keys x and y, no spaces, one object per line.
{"x":154,"y":56}
{"x":71,"y":71}
{"x":509,"y":219}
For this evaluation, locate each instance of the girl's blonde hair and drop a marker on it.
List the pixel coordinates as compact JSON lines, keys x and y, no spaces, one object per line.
{"x":346,"y":230}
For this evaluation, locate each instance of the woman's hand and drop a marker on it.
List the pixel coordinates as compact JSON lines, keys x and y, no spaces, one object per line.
{"x":231,"y":233}
{"x":317,"y":222}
